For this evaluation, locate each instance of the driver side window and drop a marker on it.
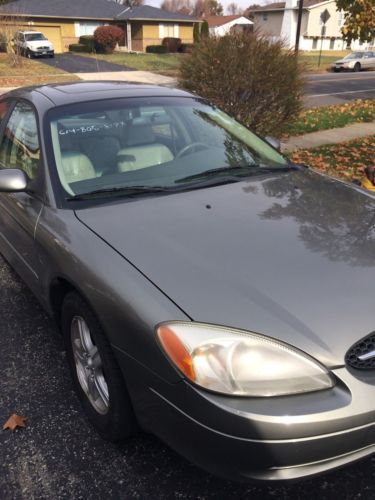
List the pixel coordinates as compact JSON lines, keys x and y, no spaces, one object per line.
{"x":20,"y":144}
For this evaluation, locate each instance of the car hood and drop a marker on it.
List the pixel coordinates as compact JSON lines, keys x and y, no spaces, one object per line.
{"x":345,"y":61}
{"x":39,"y":43}
{"x":290,"y":255}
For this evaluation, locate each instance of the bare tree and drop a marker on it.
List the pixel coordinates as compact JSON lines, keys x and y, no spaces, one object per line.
{"x":208,"y":8}
{"x":8,"y":26}
{"x":130,"y":3}
{"x":177,"y":5}
{"x":233,"y":9}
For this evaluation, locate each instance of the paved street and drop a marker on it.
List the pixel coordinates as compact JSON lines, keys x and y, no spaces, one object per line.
{"x":337,"y":88}
{"x":59,"y":456}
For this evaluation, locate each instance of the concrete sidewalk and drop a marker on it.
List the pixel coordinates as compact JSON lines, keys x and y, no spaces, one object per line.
{"x":331,"y":136}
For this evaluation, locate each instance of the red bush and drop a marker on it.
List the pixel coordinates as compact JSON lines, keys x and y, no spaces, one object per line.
{"x":106,"y":38}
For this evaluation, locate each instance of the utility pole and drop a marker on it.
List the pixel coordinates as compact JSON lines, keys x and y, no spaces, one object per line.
{"x":298,"y":34}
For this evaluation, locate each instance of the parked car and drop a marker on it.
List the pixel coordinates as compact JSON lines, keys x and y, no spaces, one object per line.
{"x":356,"y":61}
{"x":208,"y":290}
{"x":33,"y":44}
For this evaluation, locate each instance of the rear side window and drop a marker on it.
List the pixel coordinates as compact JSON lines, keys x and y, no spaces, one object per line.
{"x":20,"y":144}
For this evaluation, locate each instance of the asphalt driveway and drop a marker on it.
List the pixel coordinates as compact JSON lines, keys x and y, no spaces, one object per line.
{"x":59,"y":456}
{"x":73,"y":63}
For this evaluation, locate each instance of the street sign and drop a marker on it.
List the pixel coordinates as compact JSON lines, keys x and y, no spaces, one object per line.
{"x":324,"y":16}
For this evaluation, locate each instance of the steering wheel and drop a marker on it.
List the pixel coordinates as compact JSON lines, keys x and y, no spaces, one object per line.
{"x":187,"y":148}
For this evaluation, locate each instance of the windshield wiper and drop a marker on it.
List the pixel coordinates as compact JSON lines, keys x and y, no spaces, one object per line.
{"x":246,"y":170}
{"x":126,"y":190}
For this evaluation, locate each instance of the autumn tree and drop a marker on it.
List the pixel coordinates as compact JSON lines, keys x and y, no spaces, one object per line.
{"x":249,"y":11}
{"x":359,"y":19}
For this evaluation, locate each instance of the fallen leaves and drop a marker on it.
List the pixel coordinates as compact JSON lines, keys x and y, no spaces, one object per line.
{"x":346,"y":160}
{"x":14,"y":421}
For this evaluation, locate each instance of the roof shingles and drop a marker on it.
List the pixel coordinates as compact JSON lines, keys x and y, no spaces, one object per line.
{"x":87,"y":9}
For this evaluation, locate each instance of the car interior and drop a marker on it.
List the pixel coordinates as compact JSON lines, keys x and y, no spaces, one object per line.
{"x":96,"y":146}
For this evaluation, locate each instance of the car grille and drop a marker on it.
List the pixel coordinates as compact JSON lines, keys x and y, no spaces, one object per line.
{"x":362,"y":354}
{"x":43,"y":48}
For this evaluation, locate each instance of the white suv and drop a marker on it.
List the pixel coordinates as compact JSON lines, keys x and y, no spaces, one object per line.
{"x":33,"y":44}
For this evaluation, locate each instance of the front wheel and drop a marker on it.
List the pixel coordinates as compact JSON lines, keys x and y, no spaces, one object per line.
{"x":357,"y":67}
{"x":29,"y":54}
{"x":96,"y":376}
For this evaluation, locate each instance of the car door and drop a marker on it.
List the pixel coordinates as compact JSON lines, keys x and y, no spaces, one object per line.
{"x":371,"y":60}
{"x":19,"y":212}
{"x":366,"y":60}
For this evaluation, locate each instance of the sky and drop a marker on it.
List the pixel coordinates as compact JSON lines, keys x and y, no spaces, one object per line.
{"x":241,"y":3}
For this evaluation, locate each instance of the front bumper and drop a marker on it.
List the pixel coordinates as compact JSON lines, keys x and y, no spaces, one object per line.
{"x":337,"y":67}
{"x":284,"y":438}
{"x":42,"y":53}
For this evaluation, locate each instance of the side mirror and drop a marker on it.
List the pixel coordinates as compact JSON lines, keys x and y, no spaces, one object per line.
{"x":12,"y":180}
{"x":272,"y":141}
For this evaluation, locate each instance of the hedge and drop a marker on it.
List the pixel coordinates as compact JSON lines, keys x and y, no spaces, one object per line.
{"x":156,"y":49}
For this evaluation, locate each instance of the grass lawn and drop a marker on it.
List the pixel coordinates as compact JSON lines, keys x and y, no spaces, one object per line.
{"x":310,"y":59}
{"x":168,"y":64}
{"x":164,"y":64}
{"x":30,"y":72}
{"x":326,"y":117}
{"x":345,"y":160}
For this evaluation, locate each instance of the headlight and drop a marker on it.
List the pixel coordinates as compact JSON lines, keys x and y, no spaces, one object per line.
{"x":240,"y":363}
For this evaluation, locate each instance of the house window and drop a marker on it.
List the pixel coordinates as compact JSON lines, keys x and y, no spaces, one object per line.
{"x":265,"y":16}
{"x":332,"y":44}
{"x":315,"y":43}
{"x":340,"y":18}
{"x":168,"y":30}
{"x":86,"y":28}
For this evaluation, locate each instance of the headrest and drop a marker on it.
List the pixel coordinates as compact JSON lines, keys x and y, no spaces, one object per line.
{"x":140,"y":134}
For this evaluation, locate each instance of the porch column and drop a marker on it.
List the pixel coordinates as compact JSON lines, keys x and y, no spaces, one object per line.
{"x":129,"y":35}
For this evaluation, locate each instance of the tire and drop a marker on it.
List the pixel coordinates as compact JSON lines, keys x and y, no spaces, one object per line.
{"x":357,"y":67}
{"x":96,"y":376}
{"x":337,"y":70}
{"x":29,"y":54}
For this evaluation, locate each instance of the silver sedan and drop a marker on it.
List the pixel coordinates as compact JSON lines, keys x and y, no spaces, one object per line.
{"x":356,"y":61}
{"x":207,"y":289}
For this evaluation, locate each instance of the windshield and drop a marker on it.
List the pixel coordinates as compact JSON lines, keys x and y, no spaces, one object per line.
{"x":354,"y":55}
{"x":161,"y":143}
{"x":34,"y":37}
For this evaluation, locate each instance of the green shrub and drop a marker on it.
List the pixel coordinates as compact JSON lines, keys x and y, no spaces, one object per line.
{"x":107,"y":37}
{"x":186,"y":48}
{"x":196,"y":32}
{"x":172,"y":44}
{"x":78,"y":47}
{"x":88,"y":41}
{"x":156,"y":49}
{"x":258,"y":82}
{"x":3,"y":43}
{"x":204,"y":32}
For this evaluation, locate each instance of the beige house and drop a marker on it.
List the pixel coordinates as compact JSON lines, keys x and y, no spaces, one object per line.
{"x":63,"y":22}
{"x":279,"y":21}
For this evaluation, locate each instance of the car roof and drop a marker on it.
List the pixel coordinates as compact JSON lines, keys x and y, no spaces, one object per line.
{"x":72,"y":92}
